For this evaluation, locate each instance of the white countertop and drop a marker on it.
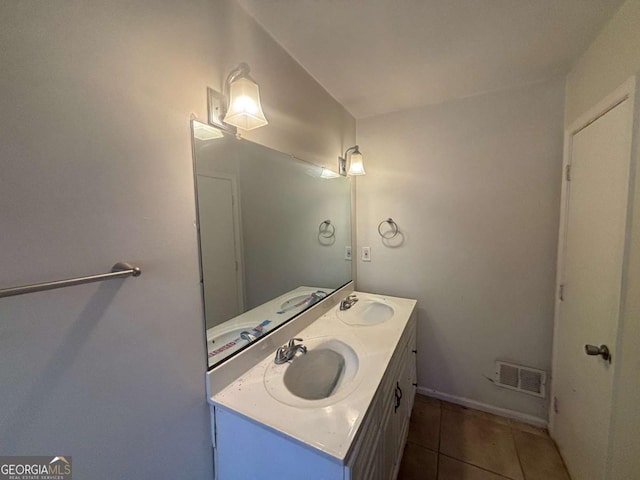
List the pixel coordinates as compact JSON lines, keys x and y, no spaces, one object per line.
{"x":330,"y":429}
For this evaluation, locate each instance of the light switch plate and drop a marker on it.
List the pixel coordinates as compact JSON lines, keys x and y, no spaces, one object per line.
{"x":347,"y":252}
{"x":366,"y":254}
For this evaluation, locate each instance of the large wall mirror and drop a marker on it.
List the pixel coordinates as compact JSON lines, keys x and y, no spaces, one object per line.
{"x":273,"y":234}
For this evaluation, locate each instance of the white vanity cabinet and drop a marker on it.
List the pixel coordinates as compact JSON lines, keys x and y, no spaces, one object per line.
{"x":361,"y":437}
{"x":380,"y":442}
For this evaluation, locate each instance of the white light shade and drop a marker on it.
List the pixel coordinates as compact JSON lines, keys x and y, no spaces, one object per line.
{"x":245,"y":111}
{"x":356,"y":167}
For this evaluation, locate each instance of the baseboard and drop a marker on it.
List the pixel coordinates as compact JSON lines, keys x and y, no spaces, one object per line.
{"x":503,"y":412}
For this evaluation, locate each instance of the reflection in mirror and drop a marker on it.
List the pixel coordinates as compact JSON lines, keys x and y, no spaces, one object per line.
{"x":273,"y":232}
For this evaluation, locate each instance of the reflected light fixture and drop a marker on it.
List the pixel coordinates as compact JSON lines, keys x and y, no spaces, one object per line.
{"x":239,"y":104}
{"x":356,"y":165}
{"x":205,"y":132}
{"x":326,"y":173}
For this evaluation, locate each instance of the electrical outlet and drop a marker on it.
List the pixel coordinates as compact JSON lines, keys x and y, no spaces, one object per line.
{"x":366,"y":254}
{"x":347,"y":252}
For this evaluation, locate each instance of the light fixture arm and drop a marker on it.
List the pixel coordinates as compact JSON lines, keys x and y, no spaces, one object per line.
{"x":242,"y":70}
{"x":351,"y":149}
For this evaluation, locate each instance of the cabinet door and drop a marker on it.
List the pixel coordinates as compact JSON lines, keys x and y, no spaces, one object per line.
{"x":389,"y":440}
{"x":411,"y":371}
{"x":398,"y":392}
{"x":364,"y":464}
{"x":372,"y":468}
{"x":402,"y":411}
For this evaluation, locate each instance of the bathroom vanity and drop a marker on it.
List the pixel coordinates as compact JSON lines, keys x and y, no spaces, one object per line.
{"x":264,"y":427}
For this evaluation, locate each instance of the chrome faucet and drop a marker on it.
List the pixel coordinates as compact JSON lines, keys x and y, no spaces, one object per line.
{"x":249,"y":337}
{"x":288,"y":351}
{"x":348,"y":302}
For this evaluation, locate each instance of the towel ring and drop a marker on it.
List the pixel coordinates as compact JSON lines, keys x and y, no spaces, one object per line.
{"x":328,"y":231}
{"x":394,"y":229}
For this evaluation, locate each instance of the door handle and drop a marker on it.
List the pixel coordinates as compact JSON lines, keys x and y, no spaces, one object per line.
{"x":602,"y":350}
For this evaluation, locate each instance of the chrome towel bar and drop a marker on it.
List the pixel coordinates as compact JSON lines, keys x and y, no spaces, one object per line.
{"x":119,"y":270}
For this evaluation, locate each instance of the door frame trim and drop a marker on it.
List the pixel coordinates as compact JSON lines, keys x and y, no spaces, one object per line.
{"x":626,"y":91}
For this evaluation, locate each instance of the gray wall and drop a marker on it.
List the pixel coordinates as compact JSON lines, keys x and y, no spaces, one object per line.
{"x":474,"y":185}
{"x":610,"y":60}
{"x":95,"y":167}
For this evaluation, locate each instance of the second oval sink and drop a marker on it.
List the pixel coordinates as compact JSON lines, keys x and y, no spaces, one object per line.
{"x":367,"y":311}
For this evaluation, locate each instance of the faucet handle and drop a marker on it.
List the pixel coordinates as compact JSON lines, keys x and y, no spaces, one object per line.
{"x":292,"y":343}
{"x":281,"y":355}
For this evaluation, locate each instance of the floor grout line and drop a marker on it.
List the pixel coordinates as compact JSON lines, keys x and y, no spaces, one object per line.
{"x":515,"y":446}
{"x":476,"y":466}
{"x":421,"y":446}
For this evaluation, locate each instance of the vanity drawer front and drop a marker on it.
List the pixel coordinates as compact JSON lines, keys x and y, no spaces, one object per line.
{"x":407,"y":342}
{"x":409,"y":336}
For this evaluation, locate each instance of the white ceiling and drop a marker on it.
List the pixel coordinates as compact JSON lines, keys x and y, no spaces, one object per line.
{"x":379,"y":56}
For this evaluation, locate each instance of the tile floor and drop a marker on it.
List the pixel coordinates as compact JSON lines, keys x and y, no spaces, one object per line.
{"x":450,"y":442}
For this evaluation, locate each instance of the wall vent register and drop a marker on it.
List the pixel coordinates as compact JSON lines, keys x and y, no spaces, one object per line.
{"x":520,"y":378}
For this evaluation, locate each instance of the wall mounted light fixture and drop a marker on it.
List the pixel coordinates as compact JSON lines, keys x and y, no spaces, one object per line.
{"x":238,"y":106}
{"x":356,"y":165}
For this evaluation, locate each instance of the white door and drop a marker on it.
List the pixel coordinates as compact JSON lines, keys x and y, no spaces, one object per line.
{"x":591,"y":262}
{"x":220,"y":248}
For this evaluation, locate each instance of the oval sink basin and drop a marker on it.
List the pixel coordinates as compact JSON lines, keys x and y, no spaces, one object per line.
{"x":367,"y":311}
{"x":224,"y":336}
{"x":324,"y":375}
{"x":316,"y":374}
{"x":301,"y":301}
{"x":224,"y":340}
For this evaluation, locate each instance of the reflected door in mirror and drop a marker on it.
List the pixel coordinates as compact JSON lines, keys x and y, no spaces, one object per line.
{"x":219,"y":219}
